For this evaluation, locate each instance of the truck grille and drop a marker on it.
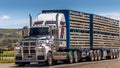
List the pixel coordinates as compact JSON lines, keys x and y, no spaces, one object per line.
{"x":29,"y":43}
{"x":29,"y":52}
{"x":25,"y":50}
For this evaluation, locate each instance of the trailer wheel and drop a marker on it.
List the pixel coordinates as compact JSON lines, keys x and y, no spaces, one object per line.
{"x":95,"y":55}
{"x":70,"y":57}
{"x":111,"y":56}
{"x":114,"y":56}
{"x":75,"y":56}
{"x":99,"y":55}
{"x":91,"y":56}
{"x":49,"y":59}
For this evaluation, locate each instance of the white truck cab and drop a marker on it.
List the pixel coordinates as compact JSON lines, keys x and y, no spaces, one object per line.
{"x":43,"y":38}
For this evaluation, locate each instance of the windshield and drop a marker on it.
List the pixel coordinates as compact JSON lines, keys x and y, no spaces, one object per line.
{"x":39,"y":31}
{"x":50,"y":22}
{"x":38,"y":22}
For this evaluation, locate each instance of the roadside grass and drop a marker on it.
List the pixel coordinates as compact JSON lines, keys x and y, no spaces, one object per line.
{"x":7,"y":61}
{"x":8,"y":54}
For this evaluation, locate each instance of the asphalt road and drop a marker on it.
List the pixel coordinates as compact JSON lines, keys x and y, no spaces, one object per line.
{"x":95,"y":64}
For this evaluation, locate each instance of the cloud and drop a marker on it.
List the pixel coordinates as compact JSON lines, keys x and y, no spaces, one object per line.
{"x":5,"y":17}
{"x":113,"y":15}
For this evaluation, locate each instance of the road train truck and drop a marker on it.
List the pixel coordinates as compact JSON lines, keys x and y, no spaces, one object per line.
{"x":69,"y":36}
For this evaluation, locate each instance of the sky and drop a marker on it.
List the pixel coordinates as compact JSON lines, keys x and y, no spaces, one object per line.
{"x":15,"y":13}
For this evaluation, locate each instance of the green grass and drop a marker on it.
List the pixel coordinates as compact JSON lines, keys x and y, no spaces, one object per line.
{"x":8,"y":54}
{"x":7,"y":61}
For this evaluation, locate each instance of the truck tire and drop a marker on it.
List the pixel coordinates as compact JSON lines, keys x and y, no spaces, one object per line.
{"x":95,"y":55}
{"x":98,"y":55}
{"x":114,"y":55}
{"x":91,"y":56}
{"x":70,"y":57}
{"x":111,"y":56}
{"x":76,"y":56}
{"x":49,"y":59}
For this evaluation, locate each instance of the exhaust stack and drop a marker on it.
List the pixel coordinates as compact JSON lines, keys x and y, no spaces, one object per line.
{"x":57,"y":33}
{"x":30,"y":20}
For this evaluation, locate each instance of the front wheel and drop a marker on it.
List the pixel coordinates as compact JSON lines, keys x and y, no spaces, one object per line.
{"x":91,"y":56}
{"x":49,"y":59}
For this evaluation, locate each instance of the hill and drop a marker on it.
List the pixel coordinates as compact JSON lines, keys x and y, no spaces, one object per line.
{"x":8,"y":37}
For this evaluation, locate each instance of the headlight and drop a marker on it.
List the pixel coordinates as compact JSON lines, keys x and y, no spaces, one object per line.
{"x":47,"y":41}
{"x":17,"y":48}
{"x":41,"y":49}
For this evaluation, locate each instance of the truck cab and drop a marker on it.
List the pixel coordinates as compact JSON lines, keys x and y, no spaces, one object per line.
{"x":46,"y":35}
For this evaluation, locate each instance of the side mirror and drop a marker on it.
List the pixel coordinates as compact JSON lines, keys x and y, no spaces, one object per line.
{"x":25,"y":31}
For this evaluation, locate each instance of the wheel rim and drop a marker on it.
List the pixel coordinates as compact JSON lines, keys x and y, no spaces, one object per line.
{"x":70,"y":57}
{"x":99,"y":58}
{"x":99,"y":55}
{"x":50,"y":61}
{"x":92,"y":58}
{"x":95,"y":54}
{"x":75,"y":56}
{"x":95,"y":58}
{"x":111,"y":56}
{"x":114,"y":56}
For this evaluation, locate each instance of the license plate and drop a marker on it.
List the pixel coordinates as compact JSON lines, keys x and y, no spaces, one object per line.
{"x":29,"y":56}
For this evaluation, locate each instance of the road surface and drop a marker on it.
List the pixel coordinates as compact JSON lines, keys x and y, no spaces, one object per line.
{"x":95,"y":64}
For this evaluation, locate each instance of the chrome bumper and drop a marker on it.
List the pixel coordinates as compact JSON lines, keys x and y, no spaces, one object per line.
{"x":39,"y":58}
